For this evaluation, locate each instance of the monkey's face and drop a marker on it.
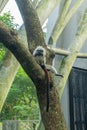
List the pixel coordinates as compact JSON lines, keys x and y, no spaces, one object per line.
{"x":40,"y":55}
{"x":39,"y":51}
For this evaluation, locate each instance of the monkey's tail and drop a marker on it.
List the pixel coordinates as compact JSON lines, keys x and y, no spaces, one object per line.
{"x":48,"y":88}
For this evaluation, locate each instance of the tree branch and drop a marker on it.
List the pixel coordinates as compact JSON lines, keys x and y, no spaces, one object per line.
{"x":11,"y":41}
{"x":8,"y":69}
{"x":33,"y":28}
{"x":63,"y":20}
{"x":21,"y":52}
{"x":45,"y":8}
{"x":65,"y":9}
{"x":32,"y":24}
{"x":75,"y":47}
{"x":62,"y":52}
{"x":35,"y":2}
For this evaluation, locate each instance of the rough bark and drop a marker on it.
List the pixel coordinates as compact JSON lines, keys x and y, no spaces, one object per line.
{"x":26,"y":21}
{"x":8,"y":69}
{"x":33,"y":28}
{"x":54,"y":119}
{"x":13,"y":43}
{"x":32,"y":24}
{"x":14,"y":65}
{"x":4,"y":88}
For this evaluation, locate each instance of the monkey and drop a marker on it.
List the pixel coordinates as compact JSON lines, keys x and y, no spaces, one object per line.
{"x":40,"y":56}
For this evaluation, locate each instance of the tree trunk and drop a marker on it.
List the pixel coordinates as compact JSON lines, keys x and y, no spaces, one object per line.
{"x":53,"y":119}
{"x":8,"y":70}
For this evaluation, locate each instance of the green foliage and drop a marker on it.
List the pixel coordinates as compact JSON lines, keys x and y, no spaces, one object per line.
{"x":2,"y":51}
{"x":0,"y":124}
{"x":8,"y":19}
{"x":21,"y":101}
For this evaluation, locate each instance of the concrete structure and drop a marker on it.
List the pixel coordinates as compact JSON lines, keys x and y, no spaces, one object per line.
{"x":64,"y":42}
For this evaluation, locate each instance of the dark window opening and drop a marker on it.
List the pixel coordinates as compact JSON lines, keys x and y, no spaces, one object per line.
{"x":78,"y":99}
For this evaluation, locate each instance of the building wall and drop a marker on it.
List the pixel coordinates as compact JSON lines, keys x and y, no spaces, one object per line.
{"x":69,"y":34}
{"x":64,"y":42}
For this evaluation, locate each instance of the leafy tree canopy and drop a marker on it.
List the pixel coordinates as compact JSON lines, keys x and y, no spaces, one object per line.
{"x":8,"y":19}
{"x":21,"y":101}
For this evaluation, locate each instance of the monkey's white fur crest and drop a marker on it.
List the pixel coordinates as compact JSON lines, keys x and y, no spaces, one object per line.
{"x":40,"y":56}
{"x":41,"y":59}
{"x":39,"y":48}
